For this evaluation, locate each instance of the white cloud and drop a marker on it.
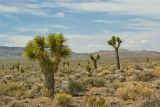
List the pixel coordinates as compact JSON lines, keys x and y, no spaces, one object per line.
{"x":131,"y":42}
{"x":38,"y":30}
{"x":46,"y":28}
{"x":5,"y":9}
{"x":142,"y":24}
{"x":8,"y":9}
{"x":90,"y":45}
{"x":107,"y":21}
{"x":14,"y":40}
{"x":144,"y":41}
{"x":129,"y":45}
{"x":125,"y":7}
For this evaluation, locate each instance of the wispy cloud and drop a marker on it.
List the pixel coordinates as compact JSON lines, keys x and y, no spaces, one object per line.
{"x":125,"y":7}
{"x":38,"y":30}
{"x":107,"y":21}
{"x":14,"y":40}
{"x":42,"y":30}
{"x":6,"y":9}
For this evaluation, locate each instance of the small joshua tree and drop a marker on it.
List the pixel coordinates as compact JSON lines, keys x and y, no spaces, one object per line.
{"x":79,"y":64}
{"x":94,"y":60}
{"x":88,"y":68}
{"x":67,"y":63}
{"x":48,"y":51}
{"x":115,"y":42}
{"x":64,"y":63}
{"x":147,"y":60}
{"x":17,"y":66}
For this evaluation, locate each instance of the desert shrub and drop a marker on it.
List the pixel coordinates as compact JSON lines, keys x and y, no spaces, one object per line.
{"x":134,"y":92}
{"x":75,"y":87}
{"x":93,"y":101}
{"x":22,"y":70}
{"x":105,"y":72}
{"x":113,"y":68}
{"x":137,"y":67}
{"x":12,"y":89}
{"x":131,"y":70}
{"x":45,"y":92}
{"x":116,"y":84}
{"x":88,"y":68}
{"x":29,"y":94}
{"x":99,"y":75}
{"x":63,"y":99}
{"x":158,"y":83}
{"x":111,"y":78}
{"x":154,"y":101}
{"x":146,"y":76}
{"x":94,"y":81}
{"x":99,"y":69}
{"x":157,"y":69}
{"x":16,"y":104}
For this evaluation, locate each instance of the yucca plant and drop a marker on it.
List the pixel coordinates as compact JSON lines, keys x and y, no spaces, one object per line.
{"x":17,"y":66}
{"x":67,"y":63}
{"x":48,"y":51}
{"x":88,"y":68}
{"x":94,"y":59}
{"x":115,"y":42}
{"x":64,"y":63}
{"x":147,"y":60}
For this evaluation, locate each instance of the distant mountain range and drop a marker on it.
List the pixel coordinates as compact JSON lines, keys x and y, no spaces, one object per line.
{"x":15,"y":53}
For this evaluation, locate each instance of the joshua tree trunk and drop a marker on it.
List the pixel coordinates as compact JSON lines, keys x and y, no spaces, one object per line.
{"x":95,"y":64}
{"x":49,"y":82}
{"x":117,"y":58}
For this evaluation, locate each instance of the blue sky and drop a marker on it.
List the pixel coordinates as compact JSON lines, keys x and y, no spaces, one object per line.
{"x":88,"y":24}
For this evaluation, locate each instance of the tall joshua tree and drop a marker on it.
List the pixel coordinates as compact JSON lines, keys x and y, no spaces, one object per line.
{"x":48,"y":51}
{"x":115,"y":42}
{"x":94,"y":60}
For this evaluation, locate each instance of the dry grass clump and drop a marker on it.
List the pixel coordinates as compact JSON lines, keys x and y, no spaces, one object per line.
{"x":154,"y":101}
{"x":157,"y":69}
{"x":63,"y":99}
{"x":105,"y":72}
{"x":145,"y":76}
{"x":94,"y":81}
{"x":12,"y":89}
{"x":99,"y":69}
{"x":45,"y":92}
{"x":131,"y":70}
{"x":93,"y":101}
{"x":75,"y":87}
{"x":16,"y":104}
{"x":134,"y":92}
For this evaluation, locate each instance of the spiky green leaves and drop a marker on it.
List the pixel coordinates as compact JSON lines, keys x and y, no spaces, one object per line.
{"x":54,"y":44}
{"x":114,"y":41}
{"x":88,"y":68}
{"x":29,"y":51}
{"x":98,"y":56}
{"x":91,"y":56}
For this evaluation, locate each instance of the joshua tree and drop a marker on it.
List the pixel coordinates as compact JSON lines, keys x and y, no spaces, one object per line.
{"x":94,"y":60}
{"x":64,"y":63}
{"x":17,"y":66}
{"x":88,"y":68}
{"x":147,"y":60}
{"x":48,"y":51}
{"x":115,"y":42}
{"x":67,"y":63}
